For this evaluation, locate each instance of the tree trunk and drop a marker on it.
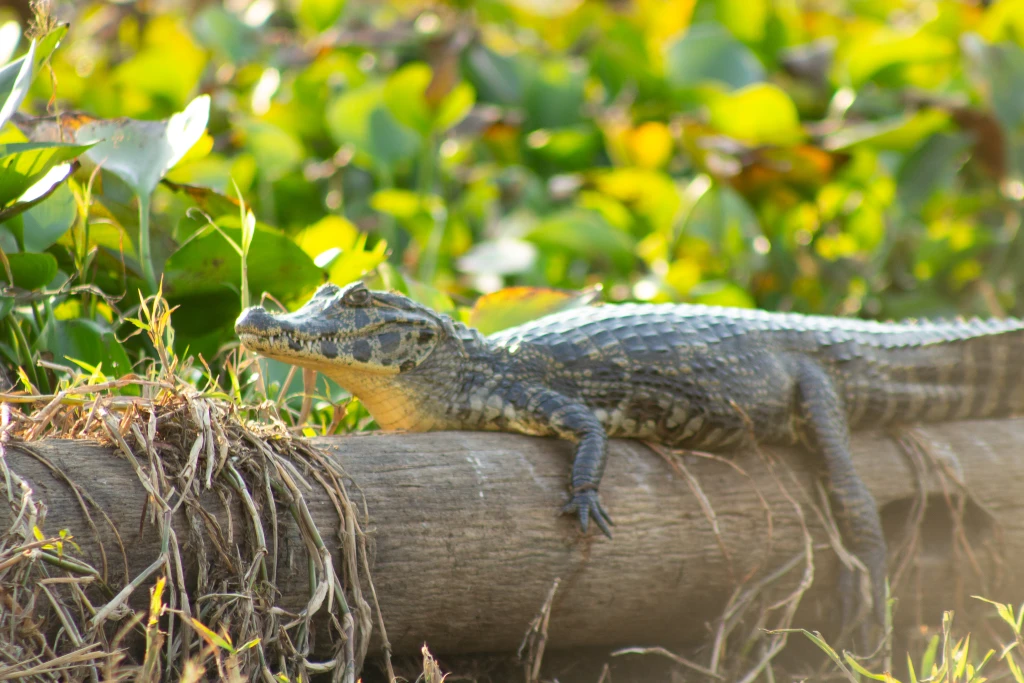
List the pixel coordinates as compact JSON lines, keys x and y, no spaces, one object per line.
{"x":466,"y":540}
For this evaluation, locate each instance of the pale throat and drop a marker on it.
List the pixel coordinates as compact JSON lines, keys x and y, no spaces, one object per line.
{"x":392,"y":402}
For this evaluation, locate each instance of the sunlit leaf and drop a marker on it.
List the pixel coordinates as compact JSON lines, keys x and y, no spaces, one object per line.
{"x":516,"y":305}
{"x":24,"y":164}
{"x":15,"y":79}
{"x":319,"y":15}
{"x":141,"y":152}
{"x":759,"y":114}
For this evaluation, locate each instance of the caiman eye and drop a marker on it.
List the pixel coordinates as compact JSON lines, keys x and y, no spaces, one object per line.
{"x":358,"y":297}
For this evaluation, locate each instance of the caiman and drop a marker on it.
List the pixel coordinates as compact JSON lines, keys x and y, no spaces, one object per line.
{"x":686,"y":376}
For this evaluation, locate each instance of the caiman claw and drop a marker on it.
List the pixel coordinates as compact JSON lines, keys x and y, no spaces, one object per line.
{"x":586,"y":504}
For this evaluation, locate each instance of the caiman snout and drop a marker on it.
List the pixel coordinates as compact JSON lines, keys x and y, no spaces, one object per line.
{"x":251,"y":319}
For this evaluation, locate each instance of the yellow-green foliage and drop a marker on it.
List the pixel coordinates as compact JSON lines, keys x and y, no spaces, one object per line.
{"x":858,"y":158}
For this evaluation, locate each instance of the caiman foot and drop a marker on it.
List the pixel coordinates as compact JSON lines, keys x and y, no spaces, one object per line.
{"x":853,"y":611}
{"x":586,"y":504}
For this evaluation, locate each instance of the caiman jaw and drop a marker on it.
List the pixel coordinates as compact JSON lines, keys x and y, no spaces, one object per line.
{"x":345,"y":331}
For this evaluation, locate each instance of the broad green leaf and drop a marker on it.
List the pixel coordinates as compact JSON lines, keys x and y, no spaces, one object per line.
{"x":337,"y":245}
{"x":208,"y":263}
{"x":930,"y":167}
{"x":405,"y":95}
{"x":44,"y":223}
{"x":884,"y":48}
{"x":141,"y":152}
{"x":759,"y":114}
{"x":719,"y":293}
{"x":554,"y":95}
{"x":495,"y":77}
{"x":42,"y":189}
{"x":30,"y":271}
{"x":707,"y":52}
{"x":277,"y":151}
{"x":359,"y":117}
{"x":584,"y":233}
{"x":999,"y":70}
{"x":900,"y":133}
{"x":15,"y":79}
{"x":319,"y":15}
{"x":88,"y":341}
{"x":23,"y":164}
{"x":517,"y":305}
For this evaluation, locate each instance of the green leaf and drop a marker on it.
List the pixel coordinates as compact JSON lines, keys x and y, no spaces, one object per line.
{"x":48,"y":44}
{"x":405,"y":94}
{"x":708,"y":52}
{"x":15,"y":79}
{"x":141,"y":152}
{"x":495,"y":77}
{"x":44,"y":223}
{"x":42,"y":189}
{"x":319,"y":15}
{"x":584,"y":233}
{"x":336,"y":244}
{"x":554,"y":95}
{"x":930,"y":167}
{"x":30,"y":271}
{"x":900,"y":133}
{"x":759,"y":114}
{"x":277,"y":151}
{"x":359,"y":117}
{"x":23,"y":164}
{"x":208,"y":263}
{"x":87,"y":341}
{"x":866,"y":56}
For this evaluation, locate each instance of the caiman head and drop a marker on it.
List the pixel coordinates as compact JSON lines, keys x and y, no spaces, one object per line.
{"x":364,"y":340}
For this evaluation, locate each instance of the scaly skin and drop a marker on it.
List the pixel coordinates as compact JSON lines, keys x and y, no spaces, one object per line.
{"x":682,"y":375}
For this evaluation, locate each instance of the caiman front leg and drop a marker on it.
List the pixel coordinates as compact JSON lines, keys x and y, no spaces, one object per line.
{"x":853,"y":505}
{"x":571,"y":420}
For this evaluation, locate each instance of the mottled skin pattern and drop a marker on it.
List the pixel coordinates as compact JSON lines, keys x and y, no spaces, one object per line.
{"x":682,"y":375}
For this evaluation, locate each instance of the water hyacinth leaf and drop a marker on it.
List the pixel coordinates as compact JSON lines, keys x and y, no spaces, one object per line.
{"x":39,"y":192}
{"x":23,"y":164}
{"x":359,"y":117}
{"x":495,"y":77}
{"x":88,"y":341}
{"x":15,"y":79}
{"x":584,"y":233}
{"x":141,"y":152}
{"x":708,"y":52}
{"x":30,"y":271}
{"x":900,"y":133}
{"x":208,"y":263}
{"x":517,"y":305}
{"x":319,"y":15}
{"x":405,"y":95}
{"x":44,"y":223}
{"x":759,"y":114}
{"x":338,"y":246}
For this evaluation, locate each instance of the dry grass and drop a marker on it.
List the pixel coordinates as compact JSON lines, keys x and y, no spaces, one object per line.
{"x":61,"y":619}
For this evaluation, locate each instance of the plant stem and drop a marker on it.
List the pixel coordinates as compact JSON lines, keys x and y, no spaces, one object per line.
{"x":145,"y":254}
{"x":428,"y":265}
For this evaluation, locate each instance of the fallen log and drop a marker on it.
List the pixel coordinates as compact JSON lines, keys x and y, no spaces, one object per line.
{"x":466,"y":540}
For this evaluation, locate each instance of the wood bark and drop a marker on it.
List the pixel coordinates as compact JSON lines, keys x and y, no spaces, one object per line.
{"x":466,"y":540}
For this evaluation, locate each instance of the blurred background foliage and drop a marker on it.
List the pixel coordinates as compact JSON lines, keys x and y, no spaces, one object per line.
{"x":860,"y":158}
